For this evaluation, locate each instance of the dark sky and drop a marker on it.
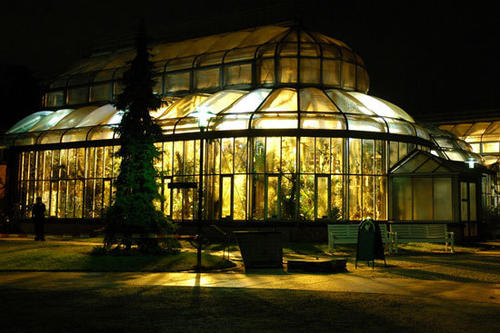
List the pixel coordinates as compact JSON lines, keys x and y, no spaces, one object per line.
{"x":425,"y":56}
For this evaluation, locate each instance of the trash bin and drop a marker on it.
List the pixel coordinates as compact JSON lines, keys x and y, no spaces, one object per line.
{"x":261,"y":249}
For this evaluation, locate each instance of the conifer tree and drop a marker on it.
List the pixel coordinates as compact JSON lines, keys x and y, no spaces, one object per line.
{"x":133,"y":211}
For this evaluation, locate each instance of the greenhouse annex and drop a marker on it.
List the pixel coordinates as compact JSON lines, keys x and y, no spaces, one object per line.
{"x":293,"y":138}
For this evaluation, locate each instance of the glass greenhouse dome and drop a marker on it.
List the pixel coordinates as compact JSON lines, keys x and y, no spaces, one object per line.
{"x":294,"y":135}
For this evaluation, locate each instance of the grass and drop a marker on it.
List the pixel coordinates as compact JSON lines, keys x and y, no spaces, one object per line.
{"x":194,"y":309}
{"x":71,"y":256}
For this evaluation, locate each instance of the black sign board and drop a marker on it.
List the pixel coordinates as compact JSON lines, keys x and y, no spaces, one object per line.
{"x":183,"y":185}
{"x":369,"y":245}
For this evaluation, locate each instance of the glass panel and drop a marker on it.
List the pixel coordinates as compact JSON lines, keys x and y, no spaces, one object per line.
{"x":206,"y":78}
{"x":355,"y":203}
{"x":240,"y":196}
{"x":443,"y":210}
{"x":178,"y":157}
{"x":491,"y":147}
{"x":28,"y":122}
{"x":274,"y":121}
{"x":323,"y":161}
{"x":75,"y":117}
{"x":381,"y":107}
{"x":289,"y":154}
{"x":273,"y":154}
{"x":258,"y":197}
{"x":348,"y":76}
{"x":322,"y":197}
{"x":266,"y":70}
{"x":54,"y":98}
{"x":183,"y":106}
{"x":250,"y":102}
{"x":177,"y":81}
{"x":379,"y":157}
{"x":78,"y":199}
{"x":354,"y":155}
{"x":284,"y":99}
{"x":272,"y":198}
{"x":50,"y":120}
{"x":368,"y":196}
{"x":331,"y":72}
{"x":368,"y":156}
{"x":307,"y":197}
{"x":402,"y":199}
{"x":240,"y":155}
{"x":189,"y":158}
{"x":422,"y":199}
{"x":226,"y":197}
{"x":327,"y":121}
{"x":307,"y":154}
{"x":365,"y":123}
{"x":101,"y":92}
{"x":313,"y":99}
{"x":288,"y":70}
{"x":288,"y":196}
{"x":238,"y":74}
{"x":187,"y":203}
{"x":393,"y":153}
{"x":227,"y":155}
{"x":380,"y":198}
{"x":259,"y":154}
{"x":472,"y":202}
{"x":337,"y":196}
{"x":337,"y":155}
{"x":78,"y":95}
{"x":310,"y":70}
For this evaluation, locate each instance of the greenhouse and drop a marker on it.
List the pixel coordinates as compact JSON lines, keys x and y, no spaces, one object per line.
{"x":292,"y":134}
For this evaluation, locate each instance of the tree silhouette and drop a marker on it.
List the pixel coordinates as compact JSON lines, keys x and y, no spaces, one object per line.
{"x":133,"y":211}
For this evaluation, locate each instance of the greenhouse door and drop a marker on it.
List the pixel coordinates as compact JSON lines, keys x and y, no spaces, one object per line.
{"x":322,"y":197}
{"x":468,"y":209}
{"x":227,"y":197}
{"x":272,"y":203}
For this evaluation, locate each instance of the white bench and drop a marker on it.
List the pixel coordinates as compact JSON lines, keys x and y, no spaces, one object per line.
{"x":423,"y":233}
{"x":348,"y":234}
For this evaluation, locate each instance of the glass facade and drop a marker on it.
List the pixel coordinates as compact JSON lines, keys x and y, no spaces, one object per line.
{"x":246,"y":178}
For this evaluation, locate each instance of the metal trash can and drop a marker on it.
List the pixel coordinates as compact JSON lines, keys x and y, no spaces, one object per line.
{"x":261,"y":249}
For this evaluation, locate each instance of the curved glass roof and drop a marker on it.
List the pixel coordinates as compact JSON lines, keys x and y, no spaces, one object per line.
{"x":450,"y":147}
{"x":268,"y":56}
{"x":281,"y":108}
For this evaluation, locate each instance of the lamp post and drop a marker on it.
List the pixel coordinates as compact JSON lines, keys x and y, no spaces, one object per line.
{"x":203,"y":115}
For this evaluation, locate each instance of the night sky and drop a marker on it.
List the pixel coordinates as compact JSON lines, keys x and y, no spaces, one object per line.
{"x":425,"y":56}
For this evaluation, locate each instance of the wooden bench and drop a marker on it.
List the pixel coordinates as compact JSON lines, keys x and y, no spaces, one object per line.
{"x":423,"y":233}
{"x":348,"y":234}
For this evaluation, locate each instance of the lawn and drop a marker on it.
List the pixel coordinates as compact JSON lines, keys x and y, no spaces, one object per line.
{"x":24,"y":255}
{"x":193,"y":309}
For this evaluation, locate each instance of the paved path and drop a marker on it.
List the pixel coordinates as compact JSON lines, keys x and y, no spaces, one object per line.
{"x":269,"y":279}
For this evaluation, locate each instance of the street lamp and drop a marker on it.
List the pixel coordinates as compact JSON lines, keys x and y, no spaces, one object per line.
{"x":203,"y":115}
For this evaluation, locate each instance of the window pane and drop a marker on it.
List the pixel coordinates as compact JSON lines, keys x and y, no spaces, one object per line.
{"x":368,"y":196}
{"x":442,"y":199}
{"x":240,"y":196}
{"x":355,"y":198}
{"x":307,"y":154}
{"x":226,"y":197}
{"x":380,"y":198}
{"x":177,"y":82}
{"x":337,"y":155}
{"x":289,"y":154}
{"x":322,"y":197}
{"x":258,"y":188}
{"x":323,"y":155}
{"x":354,"y":155}
{"x":331,"y":72}
{"x":472,"y":201}
{"x":337,"y":195}
{"x":272,"y":197}
{"x":240,"y":155}
{"x":368,"y":156}
{"x":206,"y":78}
{"x":259,"y":154}
{"x":402,"y":199}
{"x":273,"y":154}
{"x":422,"y":199}
{"x":288,"y":196}
{"x":266,"y":71}
{"x":309,"y":70}
{"x":288,"y":70}
{"x":307,"y":197}
{"x":238,"y":74}
{"x":227,"y":156}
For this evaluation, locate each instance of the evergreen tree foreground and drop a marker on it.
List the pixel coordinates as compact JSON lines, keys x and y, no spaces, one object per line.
{"x":133,"y":212}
